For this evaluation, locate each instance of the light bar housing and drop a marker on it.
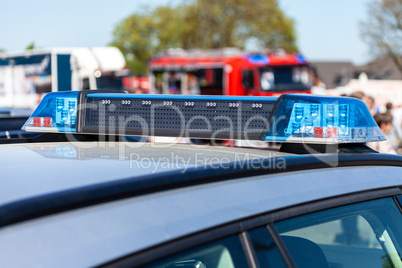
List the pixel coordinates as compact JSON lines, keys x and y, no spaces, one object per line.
{"x":290,"y":118}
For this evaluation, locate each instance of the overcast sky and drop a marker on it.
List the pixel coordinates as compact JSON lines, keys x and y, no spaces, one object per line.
{"x":326,"y":30}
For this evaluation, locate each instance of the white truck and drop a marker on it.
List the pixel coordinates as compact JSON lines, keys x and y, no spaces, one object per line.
{"x":26,"y":76}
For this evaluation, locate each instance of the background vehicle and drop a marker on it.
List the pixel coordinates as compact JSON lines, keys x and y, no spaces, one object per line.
{"x":136,"y":84}
{"x":229,"y":72}
{"x":11,"y":121}
{"x":25,"y":76}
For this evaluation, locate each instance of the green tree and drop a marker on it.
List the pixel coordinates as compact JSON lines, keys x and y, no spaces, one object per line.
{"x":383,"y":29}
{"x":30,"y":46}
{"x":143,"y":35}
{"x":203,"y":24}
{"x":233,"y":22}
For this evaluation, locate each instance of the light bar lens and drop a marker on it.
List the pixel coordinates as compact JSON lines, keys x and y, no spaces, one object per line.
{"x":57,"y":112}
{"x":316,"y":119}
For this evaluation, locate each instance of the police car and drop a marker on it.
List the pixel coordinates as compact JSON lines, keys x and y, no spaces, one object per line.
{"x":99,"y":196}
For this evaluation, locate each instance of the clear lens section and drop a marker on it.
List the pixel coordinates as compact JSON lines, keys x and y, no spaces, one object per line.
{"x":57,"y":112}
{"x":314,"y":119}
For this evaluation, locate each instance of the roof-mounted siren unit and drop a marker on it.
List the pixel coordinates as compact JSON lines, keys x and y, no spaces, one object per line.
{"x":322,"y":120}
{"x":288,"y":119}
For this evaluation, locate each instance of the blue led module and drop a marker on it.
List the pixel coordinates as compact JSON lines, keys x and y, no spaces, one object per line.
{"x":57,"y":112}
{"x":321,"y":119}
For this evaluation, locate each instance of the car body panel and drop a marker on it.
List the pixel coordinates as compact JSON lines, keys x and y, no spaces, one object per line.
{"x":94,"y":235}
{"x":53,"y":167}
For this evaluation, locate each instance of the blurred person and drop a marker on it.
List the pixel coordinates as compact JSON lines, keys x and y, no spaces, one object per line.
{"x":397,"y":127}
{"x":358,"y":95}
{"x":318,"y":86}
{"x":370,"y":102}
{"x":389,"y":107}
{"x":384,"y":121}
{"x":317,"y":82}
{"x":194,"y":87}
{"x":394,"y":136}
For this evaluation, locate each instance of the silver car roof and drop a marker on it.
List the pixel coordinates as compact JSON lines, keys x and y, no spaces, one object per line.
{"x":29,"y":170}
{"x":97,"y":234}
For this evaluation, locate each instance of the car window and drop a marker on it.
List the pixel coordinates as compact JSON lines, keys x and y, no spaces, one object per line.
{"x":223,"y":253}
{"x":265,"y":249}
{"x":358,"y":235}
{"x":399,"y":198}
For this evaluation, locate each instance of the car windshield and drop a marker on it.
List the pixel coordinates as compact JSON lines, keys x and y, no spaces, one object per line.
{"x":285,"y":78}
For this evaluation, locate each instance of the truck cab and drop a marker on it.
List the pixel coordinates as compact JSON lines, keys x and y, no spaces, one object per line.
{"x":27,"y":75}
{"x":229,"y":71}
{"x":97,"y":68}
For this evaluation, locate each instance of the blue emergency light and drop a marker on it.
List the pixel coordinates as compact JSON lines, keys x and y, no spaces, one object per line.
{"x":289,"y":118}
{"x":57,"y":112}
{"x":257,"y":59}
{"x":319,"y":119}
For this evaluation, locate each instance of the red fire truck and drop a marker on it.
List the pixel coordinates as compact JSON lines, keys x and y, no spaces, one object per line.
{"x":229,"y":71}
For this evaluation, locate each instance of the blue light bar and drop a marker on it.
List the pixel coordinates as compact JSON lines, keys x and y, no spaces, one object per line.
{"x":319,"y":119}
{"x":291,"y":118}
